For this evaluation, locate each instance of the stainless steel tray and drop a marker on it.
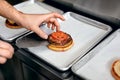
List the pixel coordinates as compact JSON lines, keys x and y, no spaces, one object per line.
{"x":96,"y":65}
{"x":26,"y":7}
{"x":85,"y":33}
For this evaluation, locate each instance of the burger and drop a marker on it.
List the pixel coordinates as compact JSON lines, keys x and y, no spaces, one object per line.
{"x":60,"y":41}
{"x":116,"y":70}
{"x":11,"y":24}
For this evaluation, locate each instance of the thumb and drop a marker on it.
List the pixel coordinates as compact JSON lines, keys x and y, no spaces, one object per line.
{"x":40,"y":32}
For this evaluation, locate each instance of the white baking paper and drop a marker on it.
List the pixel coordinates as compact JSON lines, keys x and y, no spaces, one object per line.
{"x":84,"y":36}
{"x":99,"y":67}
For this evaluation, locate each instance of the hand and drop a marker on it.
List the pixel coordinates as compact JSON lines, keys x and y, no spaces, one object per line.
{"x":6,"y":51}
{"x":33,"y":21}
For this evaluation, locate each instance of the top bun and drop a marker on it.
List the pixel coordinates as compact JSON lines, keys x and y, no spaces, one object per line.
{"x":116,"y":70}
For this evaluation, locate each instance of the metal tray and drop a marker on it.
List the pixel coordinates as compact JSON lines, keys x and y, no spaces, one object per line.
{"x":96,"y":65}
{"x":26,"y":7}
{"x":85,"y":33}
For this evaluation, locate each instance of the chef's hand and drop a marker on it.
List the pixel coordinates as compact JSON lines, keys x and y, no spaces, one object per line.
{"x":6,"y":51}
{"x":30,"y":21}
{"x":33,"y":21}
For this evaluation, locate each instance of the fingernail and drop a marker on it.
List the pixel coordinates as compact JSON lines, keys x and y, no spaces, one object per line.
{"x":46,"y":36}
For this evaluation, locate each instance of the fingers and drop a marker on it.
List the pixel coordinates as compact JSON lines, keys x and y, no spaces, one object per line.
{"x":32,"y":22}
{"x":7,"y":46}
{"x":49,"y":24}
{"x":52,"y":20}
{"x":2,"y":60}
{"x":54,"y":23}
{"x":6,"y":51}
{"x":39,"y":32}
{"x":56,"y":15}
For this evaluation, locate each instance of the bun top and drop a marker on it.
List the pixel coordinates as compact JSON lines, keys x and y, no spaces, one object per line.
{"x":11,"y":23}
{"x":117,"y":67}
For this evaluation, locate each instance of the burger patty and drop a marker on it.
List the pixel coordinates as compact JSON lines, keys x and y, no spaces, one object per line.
{"x":59,"y":38}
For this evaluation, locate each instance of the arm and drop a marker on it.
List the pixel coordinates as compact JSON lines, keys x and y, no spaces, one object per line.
{"x":7,"y":11}
{"x":29,"y":21}
{"x":6,"y":50}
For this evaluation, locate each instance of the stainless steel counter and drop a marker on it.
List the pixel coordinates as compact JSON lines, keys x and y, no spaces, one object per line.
{"x":108,"y":8}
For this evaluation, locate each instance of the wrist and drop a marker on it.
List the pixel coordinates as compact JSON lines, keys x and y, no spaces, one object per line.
{"x":19,"y":17}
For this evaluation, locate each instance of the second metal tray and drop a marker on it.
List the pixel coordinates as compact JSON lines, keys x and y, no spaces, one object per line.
{"x":85,"y":33}
{"x":96,"y":65}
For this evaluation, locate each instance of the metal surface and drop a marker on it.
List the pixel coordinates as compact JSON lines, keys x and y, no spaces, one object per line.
{"x":26,"y":41}
{"x":85,"y":32}
{"x":103,"y":8}
{"x":31,"y":39}
{"x":41,"y":67}
{"x":96,"y":65}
